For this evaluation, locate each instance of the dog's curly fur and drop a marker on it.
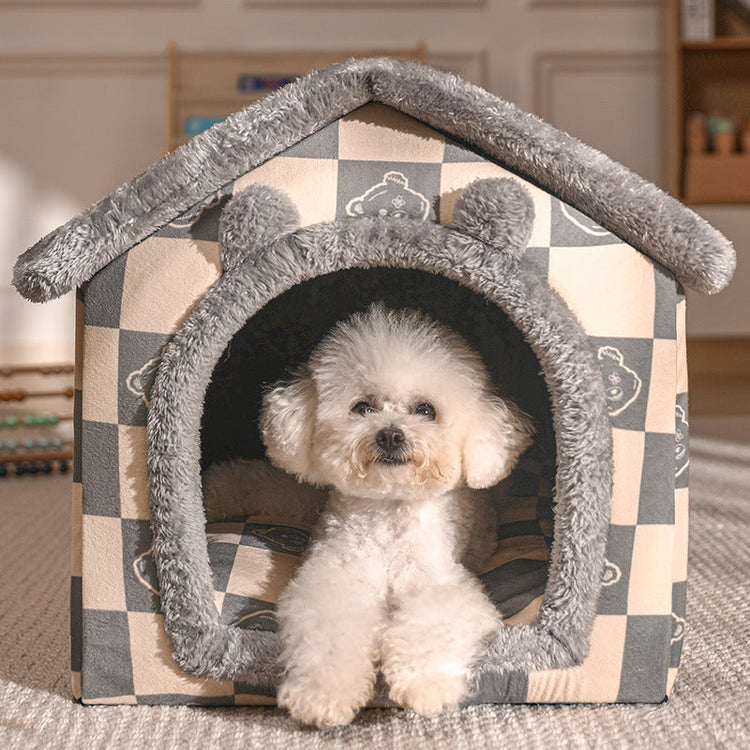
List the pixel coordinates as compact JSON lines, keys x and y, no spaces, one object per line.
{"x":397,"y":416}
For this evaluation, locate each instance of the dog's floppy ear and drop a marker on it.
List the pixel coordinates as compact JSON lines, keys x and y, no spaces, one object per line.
{"x":498,"y":211}
{"x":499,"y":434}
{"x":254,"y":218}
{"x":287,"y":420}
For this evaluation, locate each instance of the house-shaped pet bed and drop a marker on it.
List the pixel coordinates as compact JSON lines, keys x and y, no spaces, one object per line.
{"x":216,"y":271}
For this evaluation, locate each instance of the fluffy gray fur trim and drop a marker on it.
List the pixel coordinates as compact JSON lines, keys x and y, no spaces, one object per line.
{"x":497,"y":211}
{"x":201,"y":643}
{"x":630,"y":207}
{"x":252,"y":219}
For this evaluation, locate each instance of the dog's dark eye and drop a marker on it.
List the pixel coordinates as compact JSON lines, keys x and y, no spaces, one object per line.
{"x":363,"y":408}
{"x":426,"y":410}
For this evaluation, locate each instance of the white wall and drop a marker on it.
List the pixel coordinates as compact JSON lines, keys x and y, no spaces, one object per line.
{"x":82,"y":91}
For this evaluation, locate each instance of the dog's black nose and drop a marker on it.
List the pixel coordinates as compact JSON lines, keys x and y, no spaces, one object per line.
{"x":389,"y":439}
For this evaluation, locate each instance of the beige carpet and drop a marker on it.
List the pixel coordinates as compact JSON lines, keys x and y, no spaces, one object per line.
{"x":710,"y":707}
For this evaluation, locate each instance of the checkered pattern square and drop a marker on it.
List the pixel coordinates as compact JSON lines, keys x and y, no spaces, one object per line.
{"x":376,"y":160}
{"x":251,"y":564}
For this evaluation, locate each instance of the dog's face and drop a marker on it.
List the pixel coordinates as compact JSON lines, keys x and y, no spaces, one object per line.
{"x":391,"y":404}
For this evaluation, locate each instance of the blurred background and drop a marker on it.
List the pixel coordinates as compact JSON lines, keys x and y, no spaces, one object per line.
{"x":94,"y":91}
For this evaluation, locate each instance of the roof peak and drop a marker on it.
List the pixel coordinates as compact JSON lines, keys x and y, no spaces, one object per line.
{"x":625,"y":204}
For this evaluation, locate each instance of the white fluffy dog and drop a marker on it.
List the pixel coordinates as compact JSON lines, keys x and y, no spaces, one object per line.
{"x":395,"y":414}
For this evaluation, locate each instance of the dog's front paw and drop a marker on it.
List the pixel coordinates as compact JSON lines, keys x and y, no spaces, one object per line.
{"x":320,"y":704}
{"x":427,"y":694}
{"x":426,"y":653}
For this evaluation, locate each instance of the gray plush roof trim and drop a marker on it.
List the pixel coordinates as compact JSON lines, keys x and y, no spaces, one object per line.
{"x":627,"y":205}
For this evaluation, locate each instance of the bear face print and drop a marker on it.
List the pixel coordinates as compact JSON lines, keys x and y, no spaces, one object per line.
{"x":681,"y":454}
{"x":139,"y":382}
{"x":622,"y":384}
{"x":392,"y":197}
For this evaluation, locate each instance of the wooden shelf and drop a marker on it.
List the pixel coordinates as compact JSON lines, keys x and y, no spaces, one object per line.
{"x":717,"y":178}
{"x":711,"y":77}
{"x":720,"y":44}
{"x":719,"y":371}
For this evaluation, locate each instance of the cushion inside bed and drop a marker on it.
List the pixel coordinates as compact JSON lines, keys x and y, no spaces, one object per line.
{"x":253,"y":558}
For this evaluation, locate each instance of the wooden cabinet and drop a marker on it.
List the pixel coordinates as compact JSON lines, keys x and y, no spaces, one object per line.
{"x":708,"y":106}
{"x":204,"y":87}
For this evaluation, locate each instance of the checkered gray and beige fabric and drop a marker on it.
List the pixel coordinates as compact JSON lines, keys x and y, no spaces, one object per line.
{"x":376,"y":160}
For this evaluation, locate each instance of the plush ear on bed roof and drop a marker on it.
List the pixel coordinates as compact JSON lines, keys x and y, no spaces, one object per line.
{"x":497,"y":211}
{"x":254,"y":218}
